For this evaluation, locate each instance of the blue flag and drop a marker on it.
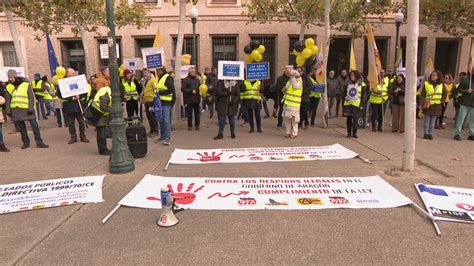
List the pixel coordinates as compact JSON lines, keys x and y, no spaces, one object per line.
{"x":53,"y":61}
{"x":432,"y":190}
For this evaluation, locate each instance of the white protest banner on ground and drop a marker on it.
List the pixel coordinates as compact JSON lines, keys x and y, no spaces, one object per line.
{"x":133,"y":63}
{"x":251,"y":155}
{"x":73,"y":86}
{"x":448,"y":203}
{"x":153,"y":57}
{"x":50,"y":193}
{"x":104,"y":51}
{"x":267,"y":193}
{"x":230,"y":70}
{"x":185,"y":71}
{"x":4,"y":70}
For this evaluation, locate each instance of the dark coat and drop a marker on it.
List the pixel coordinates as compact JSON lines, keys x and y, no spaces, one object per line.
{"x":20,"y":114}
{"x":341,"y":85}
{"x":227,"y":99}
{"x":435,"y":109}
{"x":332,"y":87}
{"x":306,"y":89}
{"x":104,"y":106}
{"x":190,"y":89}
{"x":279,"y":85}
{"x":466,"y":99}
{"x":250,"y":103}
{"x":397,"y":98}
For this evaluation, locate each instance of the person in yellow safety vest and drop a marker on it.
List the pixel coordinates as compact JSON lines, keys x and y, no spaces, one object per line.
{"x":39,"y":88}
{"x":314,"y":98}
{"x":466,"y":108}
{"x":252,"y":102}
{"x":387,"y":80}
{"x":432,"y":95}
{"x":457,"y":95}
{"x":449,"y":85}
{"x":132,"y":89}
{"x":20,"y":107}
{"x":378,"y":97}
{"x":166,"y":90}
{"x":148,"y":95}
{"x":353,"y":102}
{"x":102,"y":102}
{"x":56,"y":104}
{"x":3,"y":148}
{"x":293,"y":91}
{"x":47,"y":96}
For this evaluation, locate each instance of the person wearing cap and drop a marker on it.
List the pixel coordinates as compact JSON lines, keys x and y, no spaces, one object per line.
{"x":20,"y":107}
{"x":40,"y":90}
{"x":132,"y":89}
{"x":192,"y":98}
{"x":166,"y":91}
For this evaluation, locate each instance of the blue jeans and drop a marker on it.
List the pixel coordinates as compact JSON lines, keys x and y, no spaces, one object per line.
{"x":222,"y":124}
{"x":429,"y":124}
{"x":42,"y":107}
{"x":58,"y":117}
{"x":165,"y":123}
{"x":49,"y":108}
{"x":1,"y":133}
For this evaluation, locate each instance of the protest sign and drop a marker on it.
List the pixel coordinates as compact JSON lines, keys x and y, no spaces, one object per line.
{"x":4,"y":70}
{"x":289,"y":193}
{"x":154,"y":57}
{"x":73,"y":86}
{"x":133,"y":63}
{"x":258,"y":71}
{"x":104,"y":51}
{"x":252,"y":155}
{"x":317,"y":88}
{"x":50,"y":193}
{"x":448,"y":203}
{"x":184,"y":71}
{"x":230,"y":70}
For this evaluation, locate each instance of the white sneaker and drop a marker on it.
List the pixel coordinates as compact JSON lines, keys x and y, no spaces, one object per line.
{"x":166,"y":142}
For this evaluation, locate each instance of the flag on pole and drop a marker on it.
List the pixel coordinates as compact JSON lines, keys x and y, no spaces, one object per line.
{"x":429,"y":67}
{"x":353,"y":65}
{"x":471,"y":61}
{"x":157,"y":42}
{"x":320,"y":69}
{"x":399,"y":62}
{"x":53,"y":60}
{"x":375,"y":64}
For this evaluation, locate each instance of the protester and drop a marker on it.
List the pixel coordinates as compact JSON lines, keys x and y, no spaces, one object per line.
{"x":227,"y":104}
{"x":342,"y":82}
{"x":148,"y":95}
{"x":279,"y":85}
{"x":433,"y":94}
{"x":332,"y":92}
{"x":132,"y":89}
{"x":252,"y":103}
{"x":397,"y":92}
{"x":314,"y":98}
{"x":102,"y":102}
{"x":211,"y":82}
{"x":20,"y":107}
{"x":39,"y":88}
{"x":466,"y":107}
{"x":192,"y":98}
{"x":3,"y":148}
{"x":293,"y":91}
{"x":305,"y":99}
{"x":48,"y":98}
{"x":166,"y":90}
{"x":378,"y":98}
{"x":354,"y":100}
{"x":449,"y":85}
{"x":204,"y":75}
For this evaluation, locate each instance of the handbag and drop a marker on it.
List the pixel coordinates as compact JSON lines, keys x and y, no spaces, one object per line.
{"x":425,"y":105}
{"x":92,"y":115}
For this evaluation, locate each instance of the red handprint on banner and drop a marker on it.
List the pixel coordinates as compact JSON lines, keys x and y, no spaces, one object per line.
{"x":181,"y":197}
{"x":207,"y":157}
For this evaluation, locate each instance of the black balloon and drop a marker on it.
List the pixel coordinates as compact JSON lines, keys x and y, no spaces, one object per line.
{"x":299,"y":46}
{"x":254,"y":44}
{"x":247,"y":49}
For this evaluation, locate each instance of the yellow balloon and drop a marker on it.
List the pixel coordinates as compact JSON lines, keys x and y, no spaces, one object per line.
{"x":203,"y":89}
{"x":61,"y":71}
{"x":255,"y":54}
{"x":122,"y":66}
{"x":259,"y":58}
{"x":306,"y":53}
{"x":121,"y":72}
{"x":55,"y":79}
{"x":186,"y":59}
{"x":314,"y":50}
{"x":296,"y":52}
{"x":261,"y":49}
{"x":309,"y":42}
{"x":300,"y":60}
{"x":248,"y":58}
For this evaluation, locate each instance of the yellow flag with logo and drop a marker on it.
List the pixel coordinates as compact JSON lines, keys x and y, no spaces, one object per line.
{"x":157,"y":41}
{"x":352,"y":63}
{"x":374,"y":62}
{"x":429,"y":67}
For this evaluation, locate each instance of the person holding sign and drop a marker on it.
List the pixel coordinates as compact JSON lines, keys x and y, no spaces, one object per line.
{"x":292,"y":103}
{"x":166,"y":90}
{"x":192,"y":98}
{"x":132,"y":89}
{"x":227,"y":105}
{"x":252,"y":102}
{"x":20,"y":107}
{"x":353,"y":101}
{"x":101,"y":103}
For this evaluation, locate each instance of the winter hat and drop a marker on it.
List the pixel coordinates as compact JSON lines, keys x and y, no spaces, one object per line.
{"x":126,"y":72}
{"x":12,"y":73}
{"x":37,"y":76}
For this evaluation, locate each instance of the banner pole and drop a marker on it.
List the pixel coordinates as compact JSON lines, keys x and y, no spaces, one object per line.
{"x":167,"y":164}
{"x":427,"y":215}
{"x":365,"y":160}
{"x":110,"y":214}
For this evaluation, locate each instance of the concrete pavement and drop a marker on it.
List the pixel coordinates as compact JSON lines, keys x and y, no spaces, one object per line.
{"x":73,"y":234}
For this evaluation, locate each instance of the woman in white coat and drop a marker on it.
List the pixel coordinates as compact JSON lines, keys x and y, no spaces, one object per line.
{"x":292,"y":102}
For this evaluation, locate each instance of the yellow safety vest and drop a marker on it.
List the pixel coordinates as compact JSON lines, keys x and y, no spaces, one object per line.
{"x":100,"y":93}
{"x":251,"y":91}
{"x":48,"y":96}
{"x":377,"y":99}
{"x":313,"y":93}
{"x":130,"y":90}
{"x":161,"y":86}
{"x":19,"y":96}
{"x":449,"y":89}
{"x":353,"y":98}
{"x":292,"y":97}
{"x":455,"y":87}
{"x":37,"y":86}
{"x":434,"y":94}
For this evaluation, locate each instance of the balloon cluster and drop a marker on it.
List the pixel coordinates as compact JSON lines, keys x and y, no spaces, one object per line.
{"x":304,"y":50}
{"x":254,"y":52}
{"x":186,"y":59}
{"x":121,"y":69}
{"x":60,"y":73}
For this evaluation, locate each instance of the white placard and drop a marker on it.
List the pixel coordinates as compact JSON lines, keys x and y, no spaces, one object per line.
{"x":254,"y":155}
{"x":133,"y":63}
{"x":448,"y":203}
{"x":184,"y":71}
{"x":4,"y":70}
{"x":153,"y":57}
{"x":230,"y":70}
{"x":267,"y":193}
{"x":104,"y":51}
{"x":73,"y":86}
{"x":50,"y":193}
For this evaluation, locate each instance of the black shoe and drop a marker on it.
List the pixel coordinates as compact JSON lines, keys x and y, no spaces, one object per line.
{"x":42,"y":145}
{"x":72,"y":140}
{"x":259,"y":131}
{"x":4,"y":148}
{"x":232,"y":135}
{"x":45,"y":117}
{"x":251,"y":130}
{"x":107,"y":152}
{"x":457,"y":137}
{"x":196,"y":128}
{"x":379,"y":129}
{"x":374,"y":129}
{"x":470,"y":138}
{"x":354,"y":135}
{"x":25,"y":146}
{"x":84,"y":139}
{"x":349,"y":136}
{"x":430,"y":137}
{"x":190,"y":129}
{"x":219,"y":136}
{"x":425,"y":136}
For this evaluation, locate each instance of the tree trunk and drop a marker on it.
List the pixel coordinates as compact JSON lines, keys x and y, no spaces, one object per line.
{"x":327,"y":35}
{"x":408,"y":159}
{"x":87,"y":57}
{"x":16,"y":41}
{"x":302,"y":29}
{"x":177,"y":61}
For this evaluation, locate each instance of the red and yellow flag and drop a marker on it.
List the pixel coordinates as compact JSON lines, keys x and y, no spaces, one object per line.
{"x":375,"y":65}
{"x":352,"y":60}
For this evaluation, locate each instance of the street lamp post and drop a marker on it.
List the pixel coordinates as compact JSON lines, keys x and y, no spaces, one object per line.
{"x":193,"y":13}
{"x":121,"y":160}
{"x":398,"y":21}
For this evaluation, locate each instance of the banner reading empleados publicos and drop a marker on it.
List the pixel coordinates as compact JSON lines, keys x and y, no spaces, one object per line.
{"x":250,"y":155}
{"x":50,"y":193}
{"x":267,"y":193}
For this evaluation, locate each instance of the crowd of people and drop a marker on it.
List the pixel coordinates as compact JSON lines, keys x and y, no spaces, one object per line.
{"x":295,"y":98}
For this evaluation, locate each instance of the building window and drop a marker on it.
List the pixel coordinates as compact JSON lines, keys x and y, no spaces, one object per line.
{"x":187,"y":46}
{"x":339,"y":53}
{"x":146,"y":1}
{"x":7,"y":51}
{"x":105,"y":62}
{"x":224,"y":2}
{"x":382,"y":46}
{"x":293,"y":39}
{"x":446,"y":55}
{"x":224,"y":48}
{"x":270,"y":52}
{"x":72,"y":54}
{"x":420,"y":62}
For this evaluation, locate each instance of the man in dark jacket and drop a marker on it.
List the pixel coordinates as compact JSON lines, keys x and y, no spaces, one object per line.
{"x":332,"y":92}
{"x":211,"y":82}
{"x":279,"y":85}
{"x":166,"y":91}
{"x":466,"y":102}
{"x":342,"y":81}
{"x":192,"y":98}
{"x":227,"y":93}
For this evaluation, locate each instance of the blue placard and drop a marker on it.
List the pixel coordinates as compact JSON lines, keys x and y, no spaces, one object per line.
{"x":154,"y":61}
{"x":231,"y":70}
{"x":318,"y":88}
{"x":258,"y":71}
